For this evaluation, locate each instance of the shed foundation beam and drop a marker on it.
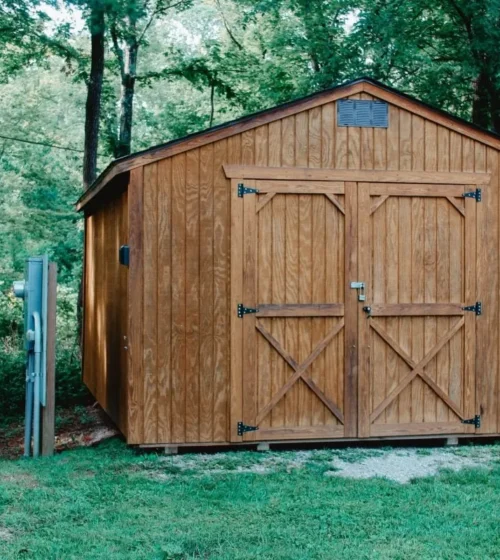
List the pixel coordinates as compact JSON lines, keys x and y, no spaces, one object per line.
{"x":173,"y":450}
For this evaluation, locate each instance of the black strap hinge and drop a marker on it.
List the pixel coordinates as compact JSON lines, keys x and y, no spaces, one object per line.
{"x":473,"y":194}
{"x":243,"y":428}
{"x":242,"y":310}
{"x":476,"y":421}
{"x":242,"y":190}
{"x":477,"y":308}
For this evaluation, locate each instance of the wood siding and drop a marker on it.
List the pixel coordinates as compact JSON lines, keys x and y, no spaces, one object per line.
{"x":105,"y":308}
{"x":179,"y":390}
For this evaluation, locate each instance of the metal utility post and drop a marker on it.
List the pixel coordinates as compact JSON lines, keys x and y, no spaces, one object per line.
{"x":38,"y":290}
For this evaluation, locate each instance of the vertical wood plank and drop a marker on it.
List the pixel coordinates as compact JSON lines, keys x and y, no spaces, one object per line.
{"x":207,"y":376}
{"x":328,"y":135}
{"x":430,"y":263}
{"x":341,"y":146}
{"x":192,"y":372}
{"x":367,"y":149}
{"x":318,"y":295}
{"x":135,"y":369}
{"x":164,"y":299}
{"x":392,"y":296}
{"x":379,"y":348}
{"x":354,"y":145}
{"x":179,"y":288}
{"x":405,"y":140}
{"x":487,"y":336}
{"x":315,"y":412}
{"x":264,"y":287}
{"x":48,"y":411}
{"x":236,"y":297}
{"x":294,"y":148}
{"x":469,"y":393}
{"x":443,"y":271}
{"x":89,"y":304}
{"x":223,"y":304}
{"x":352,"y":311}
{"x":249,"y":321}
{"x":236,"y":263}
{"x":418,"y":265}
{"x":150,"y":302}
{"x":365,"y":385}
{"x":393,"y":139}
{"x":457,"y":294}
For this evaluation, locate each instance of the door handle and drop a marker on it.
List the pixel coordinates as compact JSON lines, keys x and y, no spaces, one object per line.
{"x":360,"y":286}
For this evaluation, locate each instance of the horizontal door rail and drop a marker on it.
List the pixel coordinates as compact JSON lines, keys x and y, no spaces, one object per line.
{"x":301,"y":310}
{"x":301,"y":187}
{"x":366,"y":176}
{"x":415,"y":309}
{"x":409,"y":189}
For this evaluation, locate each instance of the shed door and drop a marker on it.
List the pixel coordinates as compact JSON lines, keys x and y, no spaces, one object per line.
{"x":417,"y":255}
{"x":289,"y":261}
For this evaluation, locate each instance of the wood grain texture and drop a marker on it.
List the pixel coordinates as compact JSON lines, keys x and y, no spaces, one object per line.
{"x":292,"y":158}
{"x":335,"y":175}
{"x":135,"y":406}
{"x":48,"y":411}
{"x":150,"y":303}
{"x":298,"y":107}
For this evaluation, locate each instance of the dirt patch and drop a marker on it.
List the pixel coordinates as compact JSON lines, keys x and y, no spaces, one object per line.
{"x":400,"y":465}
{"x":77,"y":427}
{"x":22,"y":479}
{"x":6,"y":535}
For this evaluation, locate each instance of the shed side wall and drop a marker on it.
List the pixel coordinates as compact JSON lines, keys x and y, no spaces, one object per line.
{"x":105,"y":308}
{"x":183,"y":395}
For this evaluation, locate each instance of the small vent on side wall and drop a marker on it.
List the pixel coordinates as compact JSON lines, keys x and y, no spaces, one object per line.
{"x":362,"y":112}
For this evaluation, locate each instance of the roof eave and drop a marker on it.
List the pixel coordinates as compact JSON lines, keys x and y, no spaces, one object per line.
{"x":198,"y":139}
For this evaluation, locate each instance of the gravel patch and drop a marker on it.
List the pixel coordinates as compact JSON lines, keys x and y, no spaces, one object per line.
{"x":400,"y":465}
{"x":404,"y":465}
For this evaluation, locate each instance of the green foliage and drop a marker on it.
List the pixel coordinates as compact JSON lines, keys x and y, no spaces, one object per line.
{"x":113,"y":503}
{"x":201,"y":62}
{"x":69,"y":389}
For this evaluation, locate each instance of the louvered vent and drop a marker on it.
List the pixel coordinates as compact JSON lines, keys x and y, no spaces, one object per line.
{"x":362,"y":112}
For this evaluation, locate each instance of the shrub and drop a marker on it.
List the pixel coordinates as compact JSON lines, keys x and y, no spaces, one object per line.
{"x":69,"y":387}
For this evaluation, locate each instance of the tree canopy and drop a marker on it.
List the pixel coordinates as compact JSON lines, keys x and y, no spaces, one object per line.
{"x":172,"y":67}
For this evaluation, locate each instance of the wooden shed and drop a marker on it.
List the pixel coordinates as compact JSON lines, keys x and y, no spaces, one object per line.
{"x":324,"y":270}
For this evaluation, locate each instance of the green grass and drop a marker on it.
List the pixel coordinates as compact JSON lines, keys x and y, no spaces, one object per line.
{"x":112,"y":503}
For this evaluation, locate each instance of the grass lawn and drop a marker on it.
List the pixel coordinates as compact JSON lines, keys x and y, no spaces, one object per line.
{"x":111,"y":502}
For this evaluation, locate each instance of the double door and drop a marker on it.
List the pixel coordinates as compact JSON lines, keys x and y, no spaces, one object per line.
{"x":348,"y":292}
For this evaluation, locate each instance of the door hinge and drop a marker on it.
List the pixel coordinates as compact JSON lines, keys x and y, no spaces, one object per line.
{"x":242,"y":310}
{"x":473,"y":194}
{"x":243,"y":428}
{"x":477,"y":308}
{"x":242,"y":190}
{"x":476,"y":421}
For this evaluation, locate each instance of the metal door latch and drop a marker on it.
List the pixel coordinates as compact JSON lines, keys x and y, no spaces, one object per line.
{"x":360,"y":286}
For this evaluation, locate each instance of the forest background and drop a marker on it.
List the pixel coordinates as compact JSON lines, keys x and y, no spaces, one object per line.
{"x":86,"y":81}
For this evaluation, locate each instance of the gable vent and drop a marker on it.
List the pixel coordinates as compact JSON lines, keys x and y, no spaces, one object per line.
{"x":362,"y":112}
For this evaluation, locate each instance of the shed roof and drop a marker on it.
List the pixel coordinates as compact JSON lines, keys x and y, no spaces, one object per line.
{"x":361,"y":85}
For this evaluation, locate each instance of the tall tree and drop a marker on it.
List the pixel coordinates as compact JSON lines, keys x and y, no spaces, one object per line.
{"x":97,"y":28}
{"x":442,"y":51}
{"x":130,"y":23}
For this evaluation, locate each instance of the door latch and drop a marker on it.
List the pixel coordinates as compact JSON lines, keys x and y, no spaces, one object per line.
{"x":360,"y":286}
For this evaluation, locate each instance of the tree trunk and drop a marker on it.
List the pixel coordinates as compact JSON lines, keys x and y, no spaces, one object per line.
{"x":127,"y":97}
{"x":495,"y":111}
{"x":481,"y":108}
{"x":94,"y":90}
